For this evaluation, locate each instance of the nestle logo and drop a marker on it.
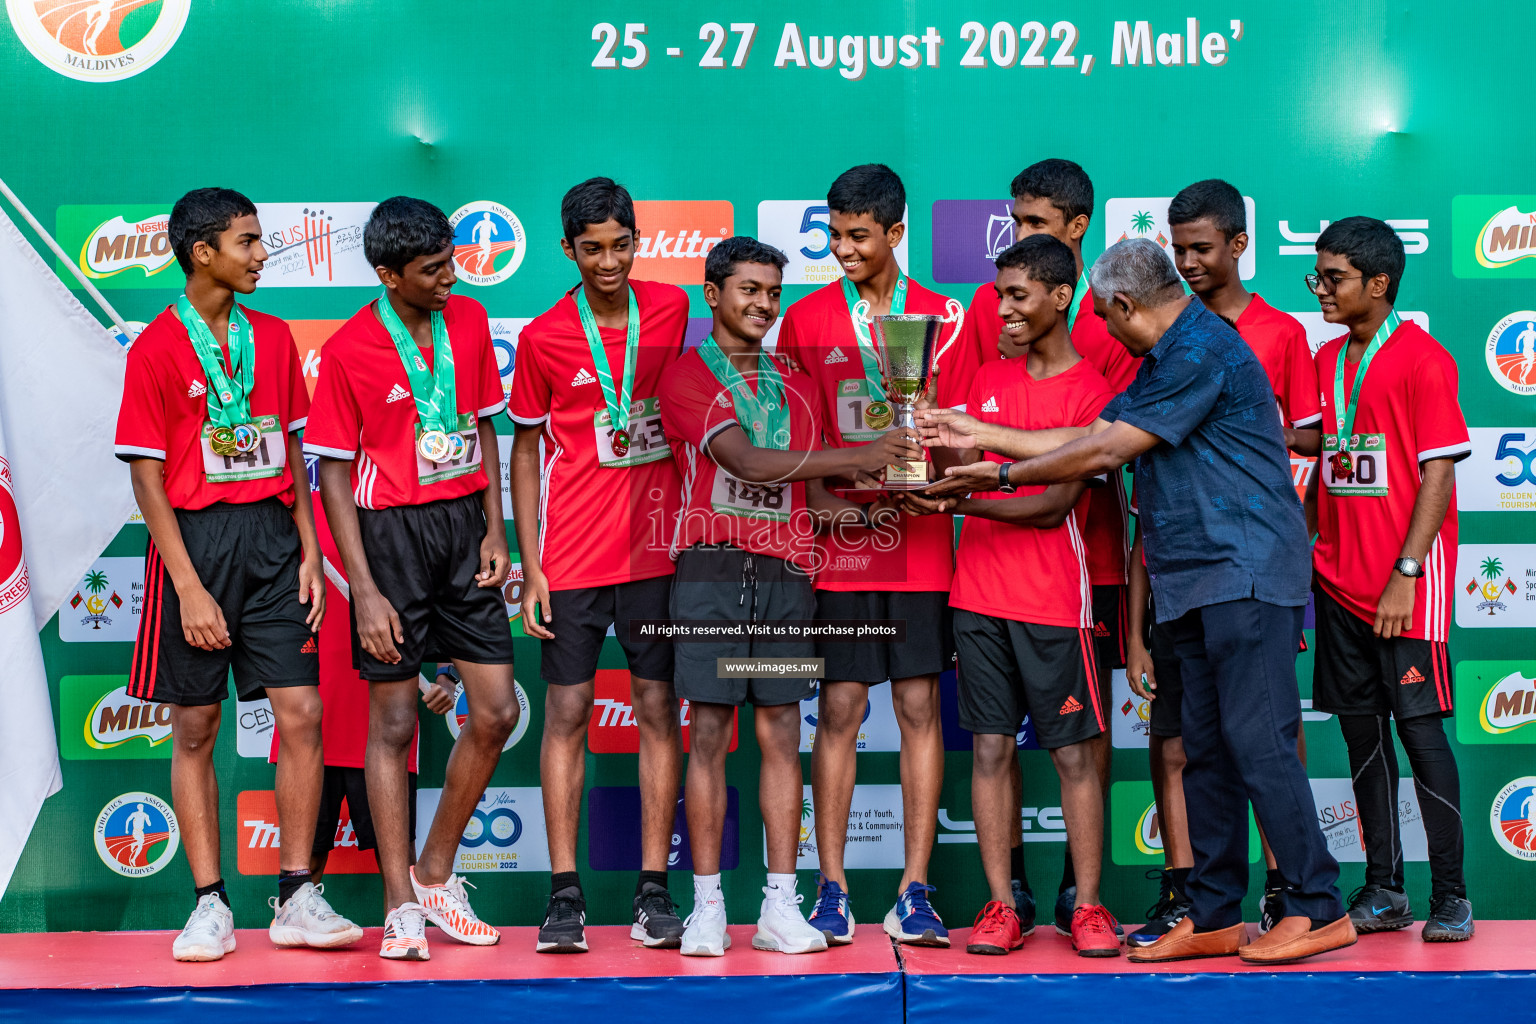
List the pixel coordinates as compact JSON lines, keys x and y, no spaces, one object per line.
{"x":675,"y":237}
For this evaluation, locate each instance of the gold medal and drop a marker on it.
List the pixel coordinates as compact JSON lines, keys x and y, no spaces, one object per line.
{"x":433,"y":445}
{"x":222,"y":441}
{"x":878,"y":415}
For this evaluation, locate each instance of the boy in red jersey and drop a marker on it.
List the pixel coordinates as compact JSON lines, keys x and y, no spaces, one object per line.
{"x":1208,"y":221}
{"x":1023,"y":599}
{"x":593,"y":537}
{"x":901,"y":574}
{"x":1055,"y":197}
{"x":752,"y":504}
{"x":401,"y":420}
{"x":1385,"y":563}
{"x":212,"y":399}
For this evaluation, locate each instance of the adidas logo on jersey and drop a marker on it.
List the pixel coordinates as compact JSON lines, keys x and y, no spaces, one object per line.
{"x":310,"y":647}
{"x":722,"y":401}
{"x":990,"y":405}
{"x":1070,"y":706}
{"x":835,"y":356}
{"x":582,"y":377}
{"x":196,"y":389}
{"x":1099,"y":629}
{"x":397,"y":394}
{"x":1413,"y":675}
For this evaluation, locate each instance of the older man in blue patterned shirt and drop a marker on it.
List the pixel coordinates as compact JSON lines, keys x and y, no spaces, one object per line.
{"x":1228,"y":559}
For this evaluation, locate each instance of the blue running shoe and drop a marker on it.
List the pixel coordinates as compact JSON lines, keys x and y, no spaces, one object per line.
{"x":832,"y":915}
{"x":1024,"y":906}
{"x":914,"y":921}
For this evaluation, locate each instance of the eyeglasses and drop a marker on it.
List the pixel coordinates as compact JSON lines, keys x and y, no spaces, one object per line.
{"x":1315,"y":282}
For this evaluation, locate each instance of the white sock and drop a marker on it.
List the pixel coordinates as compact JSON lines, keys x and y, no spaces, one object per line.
{"x":705,"y":886}
{"x":785,"y":884}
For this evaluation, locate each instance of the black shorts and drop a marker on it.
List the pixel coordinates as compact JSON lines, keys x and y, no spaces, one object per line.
{"x":723,"y":583}
{"x":1110,"y":620}
{"x":247,"y":557}
{"x":1355,"y":672}
{"x":582,"y":617}
{"x":929,"y":647}
{"x":349,"y":783}
{"x":424,"y":559}
{"x":1011,"y":669}
{"x":1167,"y":719}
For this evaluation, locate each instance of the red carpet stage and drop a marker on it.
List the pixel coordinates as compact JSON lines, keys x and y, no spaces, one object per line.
{"x":69,"y":976}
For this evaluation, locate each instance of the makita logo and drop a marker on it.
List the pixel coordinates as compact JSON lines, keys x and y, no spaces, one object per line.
{"x":614,"y":729}
{"x":615,"y":714}
{"x":196,"y":389}
{"x":582,"y":377}
{"x":397,"y":394}
{"x":676,"y":236}
{"x":836,"y":356}
{"x":990,"y":405}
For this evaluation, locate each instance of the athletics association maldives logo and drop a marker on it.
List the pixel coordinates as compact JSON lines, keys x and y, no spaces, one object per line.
{"x":136,"y":834}
{"x":488,"y":242}
{"x":459,"y":714}
{"x":98,"y":40}
{"x":1511,"y":352}
{"x":13,"y":568}
{"x":1513,"y":818}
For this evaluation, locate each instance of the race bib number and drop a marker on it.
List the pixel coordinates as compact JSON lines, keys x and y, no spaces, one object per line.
{"x":754,"y":501}
{"x":853,"y":397}
{"x":268,"y":458}
{"x":428,"y":472}
{"x":1367,"y":477}
{"x":647,"y":440}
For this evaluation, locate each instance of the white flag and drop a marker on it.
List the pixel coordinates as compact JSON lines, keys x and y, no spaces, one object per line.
{"x":63,"y":497}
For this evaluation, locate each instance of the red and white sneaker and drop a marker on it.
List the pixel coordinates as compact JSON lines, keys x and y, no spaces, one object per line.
{"x":405,"y":934}
{"x":1093,"y":931}
{"x":447,"y":906}
{"x":996,"y":931}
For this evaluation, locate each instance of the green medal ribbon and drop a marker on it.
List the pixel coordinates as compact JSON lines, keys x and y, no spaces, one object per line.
{"x":763,"y":413}
{"x":867,"y":354}
{"x":1077,"y":299}
{"x":1345,"y":412}
{"x":436,"y":393}
{"x":618,"y":404}
{"x":229,"y":401}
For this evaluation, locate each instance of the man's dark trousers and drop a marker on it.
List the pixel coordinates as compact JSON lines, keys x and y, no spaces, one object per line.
{"x":1241,"y":712}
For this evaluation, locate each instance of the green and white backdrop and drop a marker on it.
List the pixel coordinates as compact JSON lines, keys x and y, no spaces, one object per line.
{"x":734,"y":119}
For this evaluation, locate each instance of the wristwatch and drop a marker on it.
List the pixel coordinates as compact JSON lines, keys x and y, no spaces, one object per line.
{"x":1002,"y":479}
{"x":864,"y":519}
{"x":1410,"y":567}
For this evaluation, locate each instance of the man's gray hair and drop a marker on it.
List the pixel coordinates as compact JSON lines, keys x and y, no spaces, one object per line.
{"x":1139,"y":269}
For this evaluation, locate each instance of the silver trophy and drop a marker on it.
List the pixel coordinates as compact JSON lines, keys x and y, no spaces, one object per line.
{"x":907,"y":346}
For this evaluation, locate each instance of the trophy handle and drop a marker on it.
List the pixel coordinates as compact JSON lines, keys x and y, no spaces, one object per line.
{"x":955,"y":314}
{"x":860,"y":313}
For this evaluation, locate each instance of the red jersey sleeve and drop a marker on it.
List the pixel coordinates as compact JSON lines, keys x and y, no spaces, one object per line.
{"x":141,"y":417}
{"x":491,"y":399}
{"x":685,"y":407}
{"x":531,"y":397}
{"x":788,"y":346}
{"x":298,"y":393}
{"x":335,"y":422}
{"x":1298,"y":381}
{"x":1439,"y":428}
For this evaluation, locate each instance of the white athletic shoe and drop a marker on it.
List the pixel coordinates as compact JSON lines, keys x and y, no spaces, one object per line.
{"x":405,"y":934}
{"x":447,"y":906}
{"x":781,"y":926}
{"x":209,"y":934}
{"x":704,"y":933}
{"x":308,"y":920}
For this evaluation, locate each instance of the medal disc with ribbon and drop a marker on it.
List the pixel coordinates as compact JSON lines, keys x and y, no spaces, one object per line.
{"x":617,"y":402}
{"x":1342,"y":461}
{"x":234,"y":431}
{"x":435,"y":393}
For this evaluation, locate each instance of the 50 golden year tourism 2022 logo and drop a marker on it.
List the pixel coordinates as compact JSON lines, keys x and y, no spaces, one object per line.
{"x":98,"y":40}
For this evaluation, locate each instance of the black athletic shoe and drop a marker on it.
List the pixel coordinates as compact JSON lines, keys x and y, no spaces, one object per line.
{"x":564,"y":928}
{"x":1024,"y":906}
{"x":1171,"y":907}
{"x":1374,"y":909}
{"x":656,"y":921}
{"x":1271,"y":909}
{"x":1450,"y":919}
